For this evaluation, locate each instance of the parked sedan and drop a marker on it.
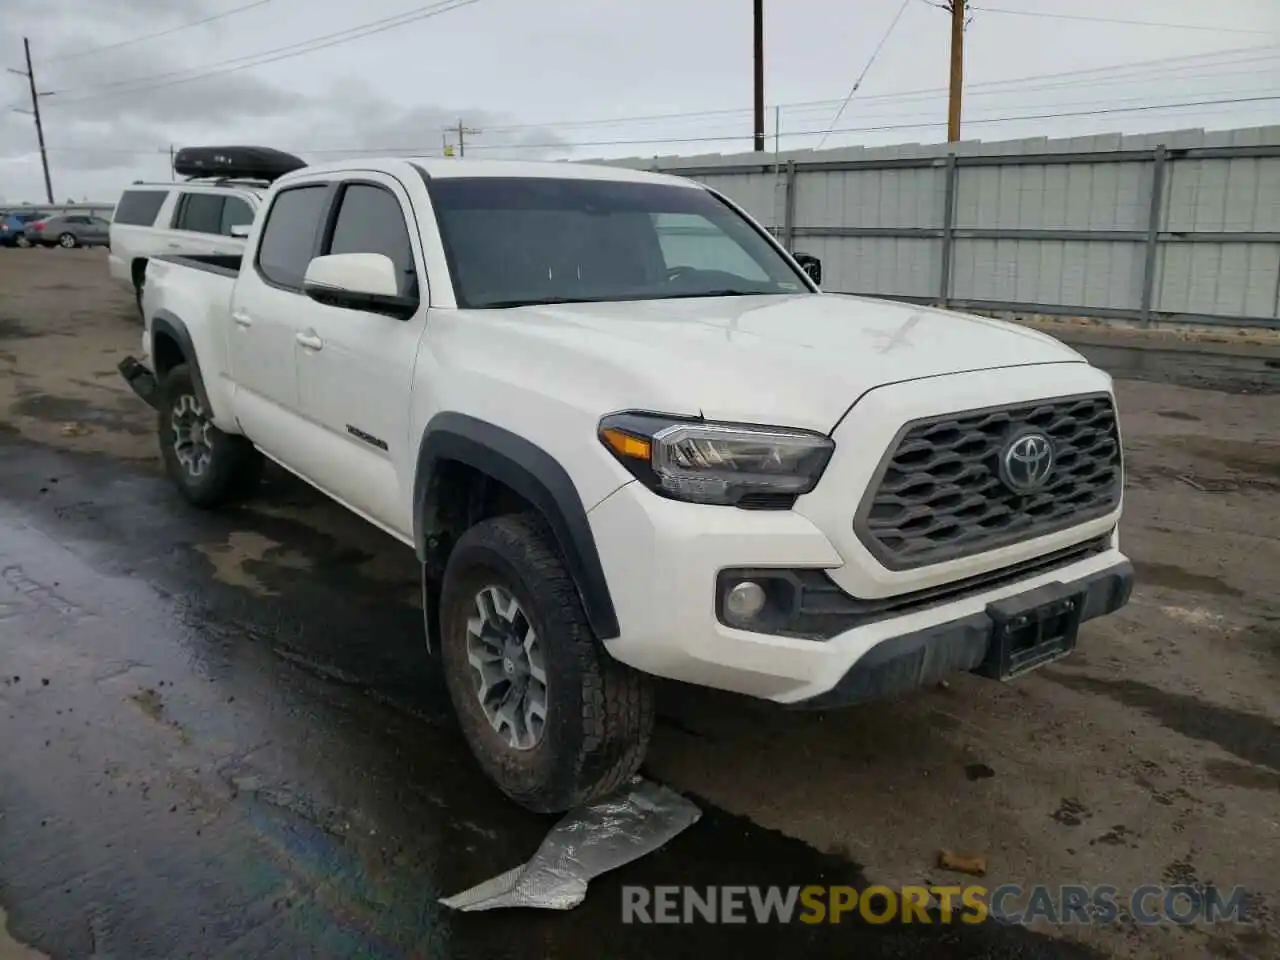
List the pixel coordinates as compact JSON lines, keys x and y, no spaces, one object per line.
{"x":69,"y":230}
{"x":12,"y":225}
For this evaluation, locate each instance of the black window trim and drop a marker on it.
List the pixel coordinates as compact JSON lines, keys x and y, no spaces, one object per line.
{"x":330,"y":188}
{"x":329,"y":223}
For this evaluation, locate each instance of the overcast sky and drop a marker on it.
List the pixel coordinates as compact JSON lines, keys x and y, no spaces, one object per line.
{"x":590,"y":78}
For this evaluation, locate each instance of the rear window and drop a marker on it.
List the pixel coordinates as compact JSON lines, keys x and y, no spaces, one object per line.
{"x":289,"y":235}
{"x":139,"y":207}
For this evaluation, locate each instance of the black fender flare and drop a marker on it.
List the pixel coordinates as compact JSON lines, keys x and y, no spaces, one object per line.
{"x":536,"y":476}
{"x":172,"y":326}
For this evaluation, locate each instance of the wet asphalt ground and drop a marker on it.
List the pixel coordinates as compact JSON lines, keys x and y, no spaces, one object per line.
{"x":221,"y":734}
{"x":191,"y":773}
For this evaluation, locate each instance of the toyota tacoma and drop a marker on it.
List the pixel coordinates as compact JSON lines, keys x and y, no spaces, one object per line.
{"x":630,"y":437}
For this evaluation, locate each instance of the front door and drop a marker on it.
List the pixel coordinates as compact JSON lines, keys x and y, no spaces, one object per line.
{"x":356,"y":369}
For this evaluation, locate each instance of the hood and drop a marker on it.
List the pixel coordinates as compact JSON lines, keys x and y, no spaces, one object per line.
{"x":796,"y":361}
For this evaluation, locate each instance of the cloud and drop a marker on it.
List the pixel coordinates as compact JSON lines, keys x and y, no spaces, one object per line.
{"x":110,"y":116}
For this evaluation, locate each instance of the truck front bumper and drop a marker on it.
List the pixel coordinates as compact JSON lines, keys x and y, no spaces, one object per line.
{"x":666,"y":563}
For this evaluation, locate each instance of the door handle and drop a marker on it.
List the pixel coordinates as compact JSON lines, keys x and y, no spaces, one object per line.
{"x":310,"y":341}
{"x":175,"y":246}
{"x":241,"y":318}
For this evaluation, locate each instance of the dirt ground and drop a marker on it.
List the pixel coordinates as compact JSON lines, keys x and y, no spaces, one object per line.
{"x":1152,"y":756}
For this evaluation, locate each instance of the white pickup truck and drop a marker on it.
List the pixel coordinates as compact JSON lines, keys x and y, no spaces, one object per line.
{"x":629,"y":436}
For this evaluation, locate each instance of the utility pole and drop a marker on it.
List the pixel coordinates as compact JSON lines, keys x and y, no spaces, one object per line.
{"x":462,"y":137}
{"x":957,"y":8}
{"x":758,"y":46}
{"x":35,"y":111}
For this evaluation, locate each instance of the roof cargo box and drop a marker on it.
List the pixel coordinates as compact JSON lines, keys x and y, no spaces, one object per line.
{"x":235,"y":163}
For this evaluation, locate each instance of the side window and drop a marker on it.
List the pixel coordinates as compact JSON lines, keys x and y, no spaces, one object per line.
{"x":370,"y":220}
{"x":692,"y":241}
{"x":235,"y":213}
{"x":289,"y":234}
{"x":139,"y":207}
{"x":199,"y":213}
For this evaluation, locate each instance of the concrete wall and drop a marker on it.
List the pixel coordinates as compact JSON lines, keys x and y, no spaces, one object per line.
{"x":1179,"y":226}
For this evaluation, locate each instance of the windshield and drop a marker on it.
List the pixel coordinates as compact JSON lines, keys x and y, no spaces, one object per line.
{"x":518,"y":241}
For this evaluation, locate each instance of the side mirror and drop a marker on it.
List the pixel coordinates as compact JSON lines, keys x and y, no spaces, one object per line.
{"x":241,"y":230}
{"x":358,"y":281}
{"x":810,"y":265}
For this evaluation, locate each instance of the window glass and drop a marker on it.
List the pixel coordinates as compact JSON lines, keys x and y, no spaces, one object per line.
{"x":691,"y":240}
{"x":288,"y":237}
{"x":139,"y":207}
{"x":370,"y":221}
{"x":199,"y":213}
{"x":235,"y":213}
{"x":512,"y":242}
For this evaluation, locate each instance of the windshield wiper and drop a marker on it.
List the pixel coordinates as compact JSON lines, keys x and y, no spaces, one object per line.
{"x":726,"y":292}
{"x":533,"y":302}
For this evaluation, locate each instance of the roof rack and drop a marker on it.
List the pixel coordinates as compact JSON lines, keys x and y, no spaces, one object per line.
{"x":220,"y":181}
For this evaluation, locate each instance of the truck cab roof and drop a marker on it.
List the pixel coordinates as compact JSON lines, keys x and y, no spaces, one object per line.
{"x":447,"y":167}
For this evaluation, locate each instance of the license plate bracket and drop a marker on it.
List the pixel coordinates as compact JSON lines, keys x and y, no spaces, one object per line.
{"x":1031,"y":629}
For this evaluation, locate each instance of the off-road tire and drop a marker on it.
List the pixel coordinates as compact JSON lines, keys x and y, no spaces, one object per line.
{"x":234,"y":467}
{"x":599,"y":711}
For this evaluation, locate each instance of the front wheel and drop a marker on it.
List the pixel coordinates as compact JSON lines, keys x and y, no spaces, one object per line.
{"x":208,"y":467}
{"x":552,"y":719}
{"x":66,"y":241}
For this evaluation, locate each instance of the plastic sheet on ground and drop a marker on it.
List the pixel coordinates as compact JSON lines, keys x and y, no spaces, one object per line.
{"x":586,"y":843}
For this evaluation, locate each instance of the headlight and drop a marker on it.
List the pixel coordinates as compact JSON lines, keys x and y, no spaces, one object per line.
{"x":721,"y":463}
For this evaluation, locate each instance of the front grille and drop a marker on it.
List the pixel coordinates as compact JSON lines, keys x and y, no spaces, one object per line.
{"x":938,"y":496}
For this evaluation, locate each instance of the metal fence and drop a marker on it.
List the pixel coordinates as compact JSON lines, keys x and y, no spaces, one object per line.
{"x":1177,"y":227}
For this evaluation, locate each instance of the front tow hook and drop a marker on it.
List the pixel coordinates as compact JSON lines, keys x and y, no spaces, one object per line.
{"x":141,"y":381}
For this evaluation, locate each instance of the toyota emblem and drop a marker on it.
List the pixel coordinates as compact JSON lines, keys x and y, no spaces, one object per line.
{"x":1027,"y":462}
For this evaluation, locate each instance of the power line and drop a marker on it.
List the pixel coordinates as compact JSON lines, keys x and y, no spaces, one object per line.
{"x":867,"y":67}
{"x":881,"y":128}
{"x":891,"y":127}
{"x":263,"y":57}
{"x":1131,"y":23}
{"x":1141,"y":70}
{"x":159,"y":33}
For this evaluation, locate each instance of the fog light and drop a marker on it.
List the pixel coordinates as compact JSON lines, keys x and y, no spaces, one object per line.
{"x":744,"y":600}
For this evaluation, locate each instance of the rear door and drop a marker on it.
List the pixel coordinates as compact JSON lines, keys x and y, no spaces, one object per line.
{"x":268,"y":311}
{"x":356,"y":369}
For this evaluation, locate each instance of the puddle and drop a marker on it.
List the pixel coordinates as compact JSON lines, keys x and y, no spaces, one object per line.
{"x":231,"y":559}
{"x":1177,"y":578}
{"x":1260,"y":459}
{"x":11,"y":329}
{"x":11,"y":949}
{"x":53,"y":409}
{"x":1242,"y":775}
{"x":1252,"y":738}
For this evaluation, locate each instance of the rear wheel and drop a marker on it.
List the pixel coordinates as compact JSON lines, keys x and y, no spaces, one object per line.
{"x":552,"y":719}
{"x":208,"y":467}
{"x":67,"y":240}
{"x":23,"y":242}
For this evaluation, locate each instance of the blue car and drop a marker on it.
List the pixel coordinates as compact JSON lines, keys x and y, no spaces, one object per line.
{"x":12,"y":226}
